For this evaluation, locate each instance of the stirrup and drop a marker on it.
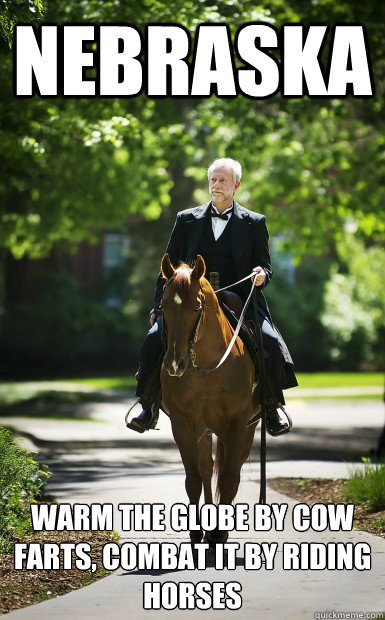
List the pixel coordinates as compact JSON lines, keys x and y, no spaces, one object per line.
{"x":129,"y":411}
{"x":153,"y":421}
{"x":288,"y":418}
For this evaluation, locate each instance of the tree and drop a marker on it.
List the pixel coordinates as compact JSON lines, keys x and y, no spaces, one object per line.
{"x":71,"y":168}
{"x":74,"y":166}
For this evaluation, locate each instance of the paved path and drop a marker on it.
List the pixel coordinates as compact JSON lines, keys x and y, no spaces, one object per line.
{"x":101,"y":462}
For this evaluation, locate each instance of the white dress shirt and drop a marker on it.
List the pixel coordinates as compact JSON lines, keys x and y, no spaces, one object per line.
{"x":218,"y":224}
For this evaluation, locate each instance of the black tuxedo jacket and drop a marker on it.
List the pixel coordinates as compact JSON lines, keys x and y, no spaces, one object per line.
{"x":249,"y":244}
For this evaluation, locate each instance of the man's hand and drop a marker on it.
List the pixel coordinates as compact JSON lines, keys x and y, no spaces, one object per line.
{"x":153,"y":317}
{"x":261,"y":276}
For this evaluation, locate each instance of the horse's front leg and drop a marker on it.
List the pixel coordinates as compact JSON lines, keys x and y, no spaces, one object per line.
{"x":236,"y":449}
{"x":233,"y":449}
{"x":206,"y":465}
{"x":188,"y":448}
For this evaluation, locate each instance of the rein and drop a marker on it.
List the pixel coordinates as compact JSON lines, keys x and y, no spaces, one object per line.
{"x":261,"y":377}
{"x":261,"y":369}
{"x":192,"y":353}
{"x":224,"y":288}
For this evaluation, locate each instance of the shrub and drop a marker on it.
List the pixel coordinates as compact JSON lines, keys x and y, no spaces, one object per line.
{"x":367,"y":486}
{"x":21,"y":483}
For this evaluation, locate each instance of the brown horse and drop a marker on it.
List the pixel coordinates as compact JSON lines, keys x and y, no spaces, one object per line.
{"x":200,"y":402}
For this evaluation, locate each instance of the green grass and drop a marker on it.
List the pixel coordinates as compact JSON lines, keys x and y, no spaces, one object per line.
{"x":339,"y":379}
{"x":50,"y":398}
{"x":379,"y":396}
{"x":379,"y":524}
{"x":367,"y":486}
{"x":19,"y":391}
{"x":14,"y":392}
{"x":305,"y":380}
{"x":89,"y":577}
{"x":103,"y":383}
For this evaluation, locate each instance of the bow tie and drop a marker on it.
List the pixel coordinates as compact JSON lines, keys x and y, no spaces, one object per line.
{"x":222,"y":216}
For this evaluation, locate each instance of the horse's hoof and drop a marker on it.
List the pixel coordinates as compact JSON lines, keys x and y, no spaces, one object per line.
{"x":211,"y":552}
{"x":196,"y":536}
{"x":215,"y":539}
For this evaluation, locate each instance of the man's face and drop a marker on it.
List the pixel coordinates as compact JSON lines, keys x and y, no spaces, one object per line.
{"x":222,"y":187}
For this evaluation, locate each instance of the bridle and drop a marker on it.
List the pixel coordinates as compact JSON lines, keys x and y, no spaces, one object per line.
{"x":201,"y":309}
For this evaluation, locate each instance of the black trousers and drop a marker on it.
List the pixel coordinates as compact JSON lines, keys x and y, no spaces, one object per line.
{"x":153,"y":350}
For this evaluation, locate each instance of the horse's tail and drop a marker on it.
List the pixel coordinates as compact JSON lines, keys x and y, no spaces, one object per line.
{"x":217,"y":467}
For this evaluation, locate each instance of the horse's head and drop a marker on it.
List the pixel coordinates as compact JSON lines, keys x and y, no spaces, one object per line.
{"x":183,"y":304}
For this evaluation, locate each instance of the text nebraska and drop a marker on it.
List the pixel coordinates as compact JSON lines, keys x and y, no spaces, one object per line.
{"x":53,"y":60}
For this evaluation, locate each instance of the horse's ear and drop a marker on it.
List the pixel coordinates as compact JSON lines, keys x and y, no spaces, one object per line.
{"x":166,"y":267}
{"x":199,"y":268}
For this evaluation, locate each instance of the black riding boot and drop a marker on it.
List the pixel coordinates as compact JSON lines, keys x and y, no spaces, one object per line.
{"x":276,"y":424}
{"x":146,"y":420}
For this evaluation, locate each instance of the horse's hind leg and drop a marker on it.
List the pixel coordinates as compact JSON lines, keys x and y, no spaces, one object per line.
{"x":188,"y":448}
{"x":206,"y":465}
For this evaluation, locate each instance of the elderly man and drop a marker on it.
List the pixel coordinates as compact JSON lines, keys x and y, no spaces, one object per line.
{"x":233,"y":241}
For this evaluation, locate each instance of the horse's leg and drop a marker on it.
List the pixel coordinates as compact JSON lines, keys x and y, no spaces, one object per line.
{"x":188,"y":448}
{"x":236,"y":449}
{"x":206,"y":465}
{"x":233,"y":450}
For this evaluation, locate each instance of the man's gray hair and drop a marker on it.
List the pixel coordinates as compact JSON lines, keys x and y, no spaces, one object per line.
{"x":226,"y":161}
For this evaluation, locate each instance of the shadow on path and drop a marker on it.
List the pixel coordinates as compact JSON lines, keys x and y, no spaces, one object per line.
{"x":79,"y":464}
{"x":301,"y":443}
{"x":55,"y":404}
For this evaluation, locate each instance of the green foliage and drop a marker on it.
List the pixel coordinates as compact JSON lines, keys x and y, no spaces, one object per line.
{"x":71,"y":168}
{"x":21,"y":482}
{"x":15,"y":11}
{"x":61,"y":325}
{"x":70,"y":175}
{"x":296,"y":305}
{"x":74,"y":166}
{"x":367,"y":486}
{"x":354,"y":303}
{"x":309,"y":172}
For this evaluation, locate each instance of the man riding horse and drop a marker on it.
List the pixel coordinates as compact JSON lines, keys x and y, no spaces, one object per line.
{"x":233,"y":241}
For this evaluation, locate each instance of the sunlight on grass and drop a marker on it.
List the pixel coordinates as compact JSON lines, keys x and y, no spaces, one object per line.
{"x":305,"y":380}
{"x":294,"y":396}
{"x":340,"y":379}
{"x":17,"y":391}
{"x":103,"y":383}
